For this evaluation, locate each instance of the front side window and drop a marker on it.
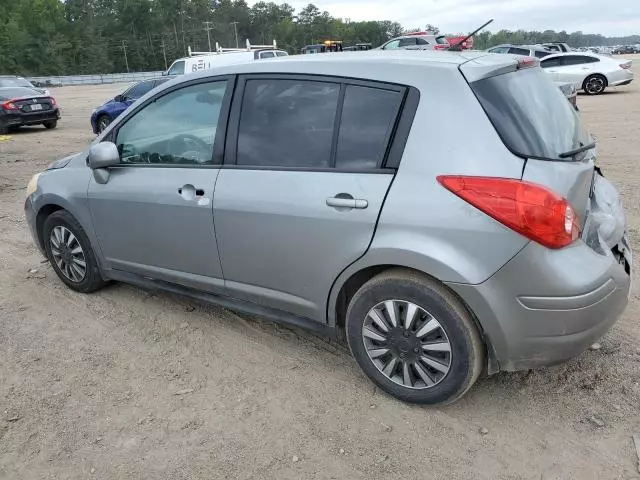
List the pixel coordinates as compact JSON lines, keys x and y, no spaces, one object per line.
{"x":392,"y":45}
{"x":551,"y":62}
{"x":541,"y":53}
{"x":368,"y":118}
{"x":287,"y":123}
{"x":177,"y":68}
{"x":408,"y":42}
{"x":177,"y":128}
{"x":267,"y":55}
{"x":280,"y":53}
{"x":421,"y":41}
{"x":499,"y":50}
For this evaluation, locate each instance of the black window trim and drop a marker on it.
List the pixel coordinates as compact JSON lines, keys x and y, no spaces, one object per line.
{"x":396,"y":137}
{"x":223,"y":121}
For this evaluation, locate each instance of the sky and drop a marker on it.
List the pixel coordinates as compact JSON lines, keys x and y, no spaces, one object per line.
{"x":610,"y":18}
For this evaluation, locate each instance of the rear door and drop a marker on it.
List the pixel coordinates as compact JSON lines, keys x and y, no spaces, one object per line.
{"x":302,"y":186}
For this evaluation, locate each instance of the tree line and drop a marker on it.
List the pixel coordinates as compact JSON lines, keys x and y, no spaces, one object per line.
{"x":64,"y":37}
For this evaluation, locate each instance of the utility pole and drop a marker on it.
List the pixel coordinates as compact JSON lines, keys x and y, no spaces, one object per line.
{"x":164,"y":53}
{"x":124,"y":49}
{"x":207,"y":27}
{"x":235,"y":29}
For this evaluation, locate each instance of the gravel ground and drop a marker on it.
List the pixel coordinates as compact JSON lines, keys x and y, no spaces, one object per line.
{"x":123,"y":384}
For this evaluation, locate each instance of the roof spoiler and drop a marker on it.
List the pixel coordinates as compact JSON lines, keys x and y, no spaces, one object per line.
{"x":248,"y":48}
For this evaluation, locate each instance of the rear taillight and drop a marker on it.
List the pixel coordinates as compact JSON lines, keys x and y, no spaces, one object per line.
{"x":527,"y":62}
{"x":625,"y":66}
{"x":9,"y":105}
{"x":527,"y":208}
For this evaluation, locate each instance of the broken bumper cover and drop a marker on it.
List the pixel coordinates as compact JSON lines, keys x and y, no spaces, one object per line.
{"x":546,"y":306}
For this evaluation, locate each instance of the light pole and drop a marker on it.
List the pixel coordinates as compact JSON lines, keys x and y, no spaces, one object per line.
{"x":235,"y":29}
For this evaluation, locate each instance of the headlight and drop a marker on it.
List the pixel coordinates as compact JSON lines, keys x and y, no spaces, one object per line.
{"x":32,"y":186}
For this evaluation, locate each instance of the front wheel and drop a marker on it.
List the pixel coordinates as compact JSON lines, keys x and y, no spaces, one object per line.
{"x":70,"y":254}
{"x":414,"y":338}
{"x":50,"y":125}
{"x":594,"y":85}
{"x":103,"y":122}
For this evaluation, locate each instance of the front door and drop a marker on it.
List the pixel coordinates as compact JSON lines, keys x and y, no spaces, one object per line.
{"x":154,"y":215}
{"x":300,"y":198}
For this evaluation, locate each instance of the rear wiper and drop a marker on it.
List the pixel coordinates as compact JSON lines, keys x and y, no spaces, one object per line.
{"x":580,"y":149}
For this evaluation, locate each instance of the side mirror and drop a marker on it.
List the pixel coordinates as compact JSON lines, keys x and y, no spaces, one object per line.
{"x":118,"y":98}
{"x":101,"y":157}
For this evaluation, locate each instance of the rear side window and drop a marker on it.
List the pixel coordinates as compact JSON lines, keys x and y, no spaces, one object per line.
{"x":280,"y":53}
{"x":577,"y":60}
{"x":368,"y":117}
{"x":530,"y":114}
{"x":442,"y":40}
{"x":138,"y":90}
{"x":267,"y":55}
{"x":499,"y":50}
{"x":519,"y":51}
{"x":287,"y":123}
{"x":421,"y":41}
{"x":541,"y":53}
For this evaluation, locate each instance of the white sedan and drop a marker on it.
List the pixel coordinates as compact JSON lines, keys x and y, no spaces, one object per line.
{"x":590,"y":72}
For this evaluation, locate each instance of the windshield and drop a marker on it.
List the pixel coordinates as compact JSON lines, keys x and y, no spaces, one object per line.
{"x":531,"y":115}
{"x":177,"y":68}
{"x":15,"y":82}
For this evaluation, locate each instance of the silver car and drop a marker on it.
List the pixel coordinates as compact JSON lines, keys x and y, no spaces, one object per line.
{"x":314,"y":190}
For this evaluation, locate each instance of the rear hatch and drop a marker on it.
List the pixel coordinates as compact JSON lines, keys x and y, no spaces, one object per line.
{"x":536,"y":122}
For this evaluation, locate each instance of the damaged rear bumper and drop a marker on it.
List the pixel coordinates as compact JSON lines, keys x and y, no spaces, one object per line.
{"x":546,"y":306}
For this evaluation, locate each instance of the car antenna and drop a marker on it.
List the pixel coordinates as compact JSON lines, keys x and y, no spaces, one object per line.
{"x":457,"y":47}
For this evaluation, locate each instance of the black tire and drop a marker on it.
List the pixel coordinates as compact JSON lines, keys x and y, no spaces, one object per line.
{"x":103,"y":122}
{"x":92,"y":279}
{"x":467,"y":352}
{"x":594,"y":84}
{"x":4,"y":130}
{"x":50,"y":124}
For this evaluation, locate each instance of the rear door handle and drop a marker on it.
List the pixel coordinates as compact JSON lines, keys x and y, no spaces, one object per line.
{"x":346,"y":201}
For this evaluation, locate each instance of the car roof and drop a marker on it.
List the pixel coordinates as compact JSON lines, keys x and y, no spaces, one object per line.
{"x":396,"y":66}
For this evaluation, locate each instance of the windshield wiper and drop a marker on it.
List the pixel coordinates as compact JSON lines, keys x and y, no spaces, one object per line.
{"x":580,"y":149}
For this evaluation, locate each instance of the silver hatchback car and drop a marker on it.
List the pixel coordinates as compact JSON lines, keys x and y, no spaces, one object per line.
{"x":314,"y":190}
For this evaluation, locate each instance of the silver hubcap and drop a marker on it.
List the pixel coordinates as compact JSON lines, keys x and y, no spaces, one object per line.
{"x":407,"y":344}
{"x":68,"y":254}
{"x":595,"y":85}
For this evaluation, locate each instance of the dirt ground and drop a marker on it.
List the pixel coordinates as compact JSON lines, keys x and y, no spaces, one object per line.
{"x":123,"y":384}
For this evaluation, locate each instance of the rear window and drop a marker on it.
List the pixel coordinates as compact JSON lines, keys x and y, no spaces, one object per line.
{"x":530,"y":113}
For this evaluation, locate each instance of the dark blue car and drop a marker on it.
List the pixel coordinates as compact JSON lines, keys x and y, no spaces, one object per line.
{"x":104,"y":115}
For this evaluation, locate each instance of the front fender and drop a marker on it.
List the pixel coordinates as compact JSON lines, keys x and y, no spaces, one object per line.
{"x":70,"y":186}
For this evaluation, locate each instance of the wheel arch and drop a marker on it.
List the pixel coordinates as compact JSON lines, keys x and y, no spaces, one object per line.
{"x":48,"y":204}
{"x":354,"y":277}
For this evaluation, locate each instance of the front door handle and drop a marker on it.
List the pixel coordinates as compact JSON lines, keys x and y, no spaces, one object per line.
{"x":189,"y":192}
{"x":344,"y":200}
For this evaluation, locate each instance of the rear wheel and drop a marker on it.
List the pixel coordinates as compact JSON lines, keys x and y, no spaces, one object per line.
{"x":594,"y":84}
{"x":70,"y":254}
{"x":51,"y":124}
{"x":103,"y":122}
{"x":414,"y":338}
